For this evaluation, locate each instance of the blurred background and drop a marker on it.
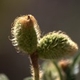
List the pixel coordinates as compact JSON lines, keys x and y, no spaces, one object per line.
{"x":51,"y":15}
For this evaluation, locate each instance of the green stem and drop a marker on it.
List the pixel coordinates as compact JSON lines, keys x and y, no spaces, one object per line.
{"x":34,"y":62}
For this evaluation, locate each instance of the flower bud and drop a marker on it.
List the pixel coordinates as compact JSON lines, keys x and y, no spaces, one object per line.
{"x":56,"y":45}
{"x":26,"y":33}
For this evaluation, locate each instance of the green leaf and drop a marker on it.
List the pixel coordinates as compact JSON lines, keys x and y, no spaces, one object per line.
{"x":75,"y":63}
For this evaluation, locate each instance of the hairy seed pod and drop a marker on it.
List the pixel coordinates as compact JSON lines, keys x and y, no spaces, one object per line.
{"x":25,"y":33}
{"x":56,"y":45}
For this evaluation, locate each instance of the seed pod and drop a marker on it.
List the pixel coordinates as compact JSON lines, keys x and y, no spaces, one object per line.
{"x":25,"y":33}
{"x":56,"y":45}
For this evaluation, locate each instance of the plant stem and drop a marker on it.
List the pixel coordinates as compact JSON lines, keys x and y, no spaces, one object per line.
{"x":34,"y":62}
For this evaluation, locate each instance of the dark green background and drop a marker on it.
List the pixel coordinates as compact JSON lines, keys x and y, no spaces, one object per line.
{"x":51,"y":15}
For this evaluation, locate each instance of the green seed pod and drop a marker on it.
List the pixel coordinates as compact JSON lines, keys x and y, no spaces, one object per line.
{"x":56,"y":45}
{"x":25,"y":33}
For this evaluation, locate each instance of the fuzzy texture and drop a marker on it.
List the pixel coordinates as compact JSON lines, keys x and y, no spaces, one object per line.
{"x":25,"y":33}
{"x":56,"y":45}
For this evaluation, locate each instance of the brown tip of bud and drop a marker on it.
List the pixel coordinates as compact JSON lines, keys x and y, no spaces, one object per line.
{"x":26,"y":20}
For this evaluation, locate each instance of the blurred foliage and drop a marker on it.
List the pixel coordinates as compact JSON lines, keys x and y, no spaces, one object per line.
{"x":3,"y":77}
{"x":28,"y":78}
{"x":51,"y":70}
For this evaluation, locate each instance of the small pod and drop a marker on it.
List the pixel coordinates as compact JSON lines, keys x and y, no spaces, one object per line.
{"x":25,"y":33}
{"x":56,"y":45}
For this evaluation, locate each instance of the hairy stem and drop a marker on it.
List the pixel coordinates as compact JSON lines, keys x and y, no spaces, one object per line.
{"x":34,"y":62}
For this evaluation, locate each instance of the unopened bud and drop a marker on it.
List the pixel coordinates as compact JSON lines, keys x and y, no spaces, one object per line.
{"x":25,"y":32}
{"x":56,"y":45}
